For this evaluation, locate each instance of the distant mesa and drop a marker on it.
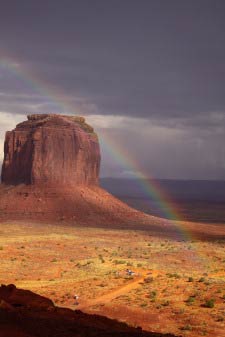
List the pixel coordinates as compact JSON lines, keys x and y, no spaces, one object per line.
{"x":51,"y":150}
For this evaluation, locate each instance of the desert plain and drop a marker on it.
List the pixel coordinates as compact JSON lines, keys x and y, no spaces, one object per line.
{"x":176,"y":284}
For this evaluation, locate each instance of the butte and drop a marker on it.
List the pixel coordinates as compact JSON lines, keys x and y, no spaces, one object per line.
{"x":51,"y":172}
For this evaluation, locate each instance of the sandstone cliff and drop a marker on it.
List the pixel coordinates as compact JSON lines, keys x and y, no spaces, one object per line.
{"x":52,"y":150}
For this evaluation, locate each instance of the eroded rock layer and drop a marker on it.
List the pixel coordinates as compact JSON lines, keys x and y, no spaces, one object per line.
{"x":52,"y":150}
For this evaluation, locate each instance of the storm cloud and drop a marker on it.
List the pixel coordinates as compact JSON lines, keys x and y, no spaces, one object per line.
{"x":149,"y":75}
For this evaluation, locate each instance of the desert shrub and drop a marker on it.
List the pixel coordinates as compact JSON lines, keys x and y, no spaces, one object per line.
{"x":190,"y":279}
{"x":53,"y":260}
{"x":209,"y":303}
{"x":102,"y":285}
{"x":1,"y":248}
{"x":139,"y":265}
{"x":202,"y":279}
{"x":153,"y":295}
{"x":187,"y":327}
{"x":166,"y":303}
{"x":101,"y":258}
{"x":148,"y":279}
{"x":190,"y":300}
{"x":119,"y":261}
{"x":143,"y":305}
{"x":175,"y":275}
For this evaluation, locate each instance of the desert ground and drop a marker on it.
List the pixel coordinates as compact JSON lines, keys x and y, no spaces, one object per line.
{"x":177,"y":284}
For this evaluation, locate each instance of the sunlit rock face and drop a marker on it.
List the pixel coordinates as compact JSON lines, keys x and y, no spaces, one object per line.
{"x":51,"y":150}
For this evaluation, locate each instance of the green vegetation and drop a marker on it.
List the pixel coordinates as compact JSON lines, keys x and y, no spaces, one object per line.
{"x":209,"y":303}
{"x":190,"y":300}
{"x":101,"y":258}
{"x":175,"y":275}
{"x":148,"y":279}
{"x":187,"y":327}
{"x":119,"y":261}
{"x":166,"y":303}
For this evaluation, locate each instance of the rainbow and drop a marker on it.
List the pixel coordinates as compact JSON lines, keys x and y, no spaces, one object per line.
{"x":61,"y":103}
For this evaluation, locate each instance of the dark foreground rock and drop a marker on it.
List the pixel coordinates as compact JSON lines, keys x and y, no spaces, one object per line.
{"x":25,"y":314}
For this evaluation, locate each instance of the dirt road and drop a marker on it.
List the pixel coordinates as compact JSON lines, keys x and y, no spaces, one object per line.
{"x":117,"y":292}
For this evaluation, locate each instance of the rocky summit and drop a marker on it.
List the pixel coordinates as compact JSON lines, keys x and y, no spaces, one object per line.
{"x":52,"y":150}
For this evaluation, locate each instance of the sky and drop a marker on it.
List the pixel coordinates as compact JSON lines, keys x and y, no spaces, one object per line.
{"x":149,"y":75}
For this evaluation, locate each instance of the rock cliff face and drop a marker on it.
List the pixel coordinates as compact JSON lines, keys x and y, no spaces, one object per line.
{"x":51,"y":150}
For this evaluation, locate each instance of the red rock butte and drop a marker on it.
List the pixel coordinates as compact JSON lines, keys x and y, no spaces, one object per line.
{"x":51,"y":172}
{"x":51,"y":150}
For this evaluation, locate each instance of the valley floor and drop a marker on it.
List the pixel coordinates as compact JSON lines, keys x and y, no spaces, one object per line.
{"x":175,"y":285}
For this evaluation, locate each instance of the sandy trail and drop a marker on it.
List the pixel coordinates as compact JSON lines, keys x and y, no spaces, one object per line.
{"x":117,"y":292}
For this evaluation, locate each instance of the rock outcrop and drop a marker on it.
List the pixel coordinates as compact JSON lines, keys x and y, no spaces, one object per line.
{"x":51,"y":150}
{"x":50,"y":173}
{"x":26,"y":314}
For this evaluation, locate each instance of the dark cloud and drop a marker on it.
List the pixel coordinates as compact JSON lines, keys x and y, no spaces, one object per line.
{"x":161,"y":61}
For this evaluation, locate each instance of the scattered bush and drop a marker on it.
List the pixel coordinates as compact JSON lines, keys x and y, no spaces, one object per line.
{"x":148,"y":279}
{"x":190,"y":300}
{"x":187,"y":327}
{"x":190,"y":279}
{"x":209,"y":303}
{"x":175,"y":275}
{"x":101,"y":258}
{"x":143,"y":305}
{"x":119,"y":261}
{"x":153,"y":295}
{"x":166,"y":303}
